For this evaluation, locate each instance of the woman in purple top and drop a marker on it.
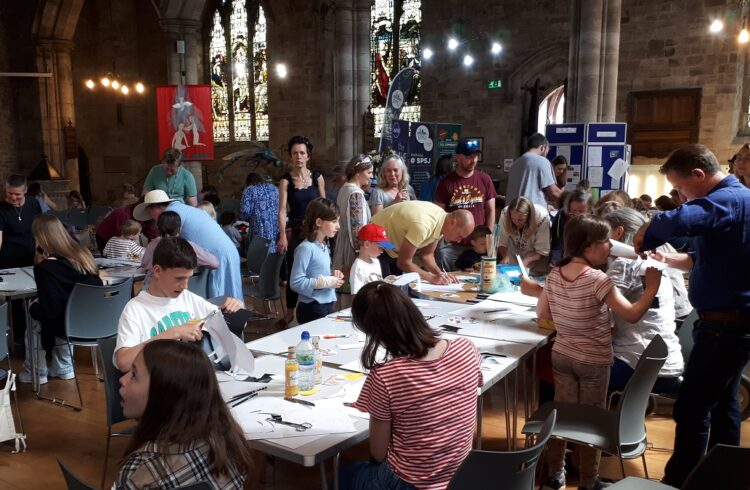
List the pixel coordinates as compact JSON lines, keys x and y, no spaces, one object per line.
{"x":297,"y":188}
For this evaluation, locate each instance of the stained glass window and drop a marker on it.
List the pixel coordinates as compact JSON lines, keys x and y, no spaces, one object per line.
{"x":384,"y":67}
{"x":239,"y":79}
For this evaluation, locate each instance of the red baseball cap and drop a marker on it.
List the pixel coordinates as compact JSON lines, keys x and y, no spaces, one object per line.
{"x":375,"y":233}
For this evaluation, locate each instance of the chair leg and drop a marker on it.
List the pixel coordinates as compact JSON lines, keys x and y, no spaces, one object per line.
{"x":645,"y":468}
{"x":106,"y":456}
{"x":622,"y":463}
{"x":95,"y":362}
{"x":78,"y":388}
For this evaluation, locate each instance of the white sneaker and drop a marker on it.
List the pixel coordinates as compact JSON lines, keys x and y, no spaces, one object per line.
{"x":26,"y":378}
{"x":69,"y":375}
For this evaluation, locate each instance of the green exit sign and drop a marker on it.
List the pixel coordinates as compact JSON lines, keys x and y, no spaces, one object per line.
{"x":492,"y":84}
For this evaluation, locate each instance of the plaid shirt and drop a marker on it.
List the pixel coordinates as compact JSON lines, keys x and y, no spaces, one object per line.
{"x":159,"y":465}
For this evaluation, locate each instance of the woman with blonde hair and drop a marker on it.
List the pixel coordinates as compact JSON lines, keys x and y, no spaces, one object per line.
{"x":393,"y":185}
{"x":524,"y":232}
{"x":61,"y":263}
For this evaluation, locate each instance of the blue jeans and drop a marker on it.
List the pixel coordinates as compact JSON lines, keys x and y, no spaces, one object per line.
{"x":708,"y":396}
{"x":62,"y":362}
{"x":620,"y":374}
{"x":308,"y":312}
{"x":366,"y":475}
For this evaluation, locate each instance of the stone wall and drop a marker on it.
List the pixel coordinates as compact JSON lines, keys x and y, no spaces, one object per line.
{"x":118,"y":133}
{"x":666,"y":45}
{"x":8,"y":150}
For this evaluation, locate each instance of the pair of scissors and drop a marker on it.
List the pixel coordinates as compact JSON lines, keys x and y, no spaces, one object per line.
{"x":276,"y":419}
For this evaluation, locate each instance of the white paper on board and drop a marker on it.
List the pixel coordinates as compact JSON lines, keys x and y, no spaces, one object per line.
{"x":564,"y":150}
{"x":606,"y":134}
{"x":596,"y":176}
{"x":615,"y":183}
{"x":565,"y":130}
{"x":507,"y":163}
{"x":594,"y":156}
{"x":618,"y":169}
{"x":574,"y":174}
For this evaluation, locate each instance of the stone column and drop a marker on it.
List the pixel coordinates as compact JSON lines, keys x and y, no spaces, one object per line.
{"x":187,"y":63}
{"x":344,"y":77}
{"x":361,"y":70}
{"x":611,"y":60}
{"x":584,"y":70}
{"x":57,"y":103}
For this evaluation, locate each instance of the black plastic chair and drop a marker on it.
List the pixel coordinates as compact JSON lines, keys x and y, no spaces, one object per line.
{"x":621,"y":432}
{"x":198,"y":283}
{"x":78,"y":217}
{"x":517,"y":469}
{"x":112,"y":395}
{"x":95,"y":213}
{"x":257,"y":252}
{"x":72,"y":480}
{"x":92,"y":313}
{"x":267,"y":289}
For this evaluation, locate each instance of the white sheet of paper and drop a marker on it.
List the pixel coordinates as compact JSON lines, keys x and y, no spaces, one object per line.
{"x":618,"y":169}
{"x":620,"y":249}
{"x":564,"y":150}
{"x":405,"y":279}
{"x":240,"y":356}
{"x":349,"y":346}
{"x":515,"y":297}
{"x":523,"y":267}
{"x":488,"y":310}
{"x":596,"y":176}
{"x":594,"y":157}
{"x":449,"y":288}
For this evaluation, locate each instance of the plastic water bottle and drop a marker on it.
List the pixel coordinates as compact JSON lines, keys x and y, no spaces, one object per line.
{"x":306,"y":360}
{"x":318,"y":360}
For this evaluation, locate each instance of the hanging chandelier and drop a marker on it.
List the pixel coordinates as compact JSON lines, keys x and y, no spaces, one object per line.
{"x":112,"y":81}
{"x":740,"y":18}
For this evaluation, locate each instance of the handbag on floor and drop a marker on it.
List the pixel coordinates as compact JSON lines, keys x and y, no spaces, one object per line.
{"x":7,"y":423}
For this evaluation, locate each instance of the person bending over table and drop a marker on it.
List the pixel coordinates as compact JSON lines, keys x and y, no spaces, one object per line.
{"x":61,"y":264}
{"x":165,"y":309}
{"x":524,"y":231}
{"x":411,"y":447}
{"x":185,"y":432}
{"x":414,"y":227}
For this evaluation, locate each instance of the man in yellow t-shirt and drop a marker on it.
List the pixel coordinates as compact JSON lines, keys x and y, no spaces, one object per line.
{"x":415,"y":227}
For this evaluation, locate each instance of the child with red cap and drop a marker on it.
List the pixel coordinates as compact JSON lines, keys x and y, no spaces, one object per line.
{"x":366,"y":267}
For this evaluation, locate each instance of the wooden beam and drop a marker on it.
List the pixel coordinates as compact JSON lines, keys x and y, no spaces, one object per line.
{"x":25,"y":74}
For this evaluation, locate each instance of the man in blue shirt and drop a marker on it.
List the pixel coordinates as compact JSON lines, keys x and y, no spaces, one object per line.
{"x":717,"y":215}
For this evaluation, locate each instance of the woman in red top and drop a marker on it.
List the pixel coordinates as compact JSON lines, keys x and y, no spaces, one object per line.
{"x":421,"y":397}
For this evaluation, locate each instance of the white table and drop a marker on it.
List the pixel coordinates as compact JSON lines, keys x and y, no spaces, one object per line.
{"x":317,"y":451}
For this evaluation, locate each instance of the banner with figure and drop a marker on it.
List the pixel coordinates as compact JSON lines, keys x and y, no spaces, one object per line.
{"x":184,"y":120}
{"x":400,"y":89}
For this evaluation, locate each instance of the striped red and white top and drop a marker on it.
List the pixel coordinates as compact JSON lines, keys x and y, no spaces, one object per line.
{"x":582,"y":319}
{"x":432,"y":408}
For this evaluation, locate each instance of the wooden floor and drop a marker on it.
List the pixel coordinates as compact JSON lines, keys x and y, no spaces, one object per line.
{"x":78,"y":439}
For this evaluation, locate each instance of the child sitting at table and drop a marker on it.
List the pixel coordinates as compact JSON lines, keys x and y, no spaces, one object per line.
{"x":469,"y":258}
{"x":126,"y":245}
{"x":366,"y":267}
{"x":164,"y":309}
{"x":185,"y":432}
{"x":226,"y":220}
{"x":411,"y":447}
{"x":311,"y":275}
{"x":61,"y":263}
{"x":576,"y":297}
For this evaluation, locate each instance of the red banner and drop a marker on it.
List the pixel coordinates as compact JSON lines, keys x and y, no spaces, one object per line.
{"x":184,"y":118}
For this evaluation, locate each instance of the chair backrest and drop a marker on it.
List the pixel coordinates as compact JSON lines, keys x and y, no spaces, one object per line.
{"x":685,"y":335}
{"x":723,"y":467}
{"x":631,"y":411}
{"x":198,"y":284}
{"x":111,"y":381}
{"x":269,"y":276}
{"x":3,"y":331}
{"x":92,"y":312}
{"x":72,"y":480}
{"x":78,"y":217}
{"x":235,"y":321}
{"x":95,"y":213}
{"x":481,"y":469}
{"x":257,"y":251}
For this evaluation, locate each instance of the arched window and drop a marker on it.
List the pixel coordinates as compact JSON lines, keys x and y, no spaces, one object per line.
{"x":389,"y":54}
{"x":552,"y":109}
{"x":239,"y":72}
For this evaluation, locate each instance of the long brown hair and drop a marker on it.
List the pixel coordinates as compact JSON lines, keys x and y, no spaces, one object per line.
{"x":581,"y":232}
{"x":390,"y":319}
{"x":184,"y":405}
{"x":52,"y":236}
{"x":322,"y":208}
{"x":525,"y":206}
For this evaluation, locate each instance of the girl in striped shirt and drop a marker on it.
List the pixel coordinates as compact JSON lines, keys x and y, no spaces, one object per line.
{"x":421,"y":394}
{"x":577,"y":297}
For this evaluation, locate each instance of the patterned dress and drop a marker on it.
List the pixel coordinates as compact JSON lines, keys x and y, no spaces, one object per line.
{"x":260,"y":208}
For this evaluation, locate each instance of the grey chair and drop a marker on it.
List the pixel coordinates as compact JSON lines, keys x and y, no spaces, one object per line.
{"x":5,"y":354}
{"x":112,"y":396}
{"x":621,"y":432}
{"x":92,"y":313}
{"x":723,"y":467}
{"x":95,"y":213}
{"x":257,"y":252}
{"x":267,"y":289}
{"x":78,"y":217}
{"x":235,"y":321}
{"x":71,"y":479}
{"x":517,"y":469}
{"x":198,"y":284}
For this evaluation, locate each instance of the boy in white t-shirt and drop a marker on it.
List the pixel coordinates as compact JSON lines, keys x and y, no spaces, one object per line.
{"x":166,"y":308}
{"x":366,"y":267}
